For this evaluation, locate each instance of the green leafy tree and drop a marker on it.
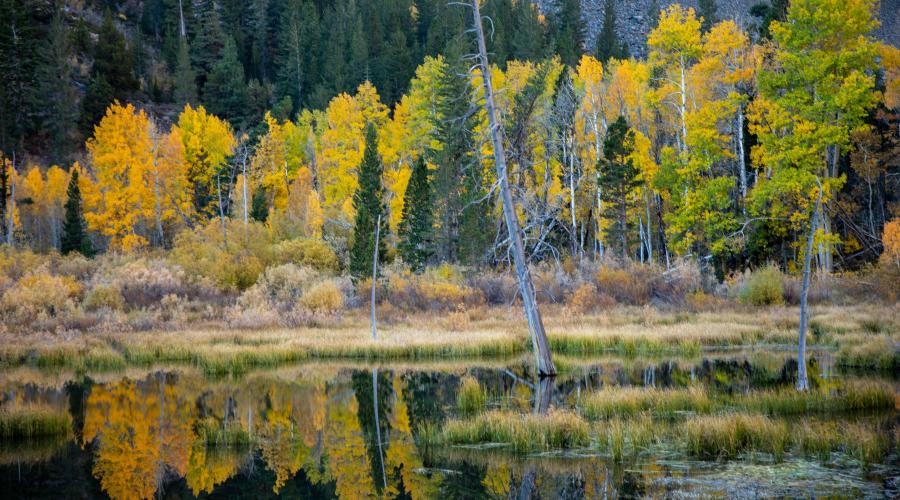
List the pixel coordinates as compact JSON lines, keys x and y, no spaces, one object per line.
{"x":416,"y":225}
{"x":369,"y":203}
{"x":74,"y":233}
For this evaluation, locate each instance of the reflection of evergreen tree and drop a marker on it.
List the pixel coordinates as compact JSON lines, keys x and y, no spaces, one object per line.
{"x":362,"y":388}
{"x":467,"y":483}
{"x":77,"y":392}
{"x":423,"y":401}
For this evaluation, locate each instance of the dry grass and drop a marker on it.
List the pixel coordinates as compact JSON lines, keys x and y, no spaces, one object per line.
{"x":481,"y":332}
{"x":558,"y":429}
{"x":631,"y":401}
{"x":32,"y":421}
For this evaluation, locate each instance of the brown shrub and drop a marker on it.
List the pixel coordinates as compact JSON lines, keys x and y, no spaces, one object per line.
{"x":40,"y":293}
{"x":586,"y":299}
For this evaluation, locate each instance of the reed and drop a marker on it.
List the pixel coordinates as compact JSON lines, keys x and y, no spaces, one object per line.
{"x":471,"y":397}
{"x":726,"y":436}
{"x":524,"y":433}
{"x":29,"y":421}
{"x":630,"y":401}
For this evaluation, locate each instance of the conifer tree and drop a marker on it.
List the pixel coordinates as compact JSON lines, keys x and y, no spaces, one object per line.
{"x":259,"y":206}
{"x":57,"y":104}
{"x":653,"y":14}
{"x":185,"y":77}
{"x":225,"y":93}
{"x":608,"y":45}
{"x":707,"y":9}
{"x":112,"y":59}
{"x":570,"y":31}
{"x":368,"y":201}
{"x":98,"y":97}
{"x":74,"y":236}
{"x":416,"y":226}
{"x":618,"y":179}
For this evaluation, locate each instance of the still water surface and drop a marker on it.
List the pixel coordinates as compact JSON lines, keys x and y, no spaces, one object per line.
{"x":352,"y":431}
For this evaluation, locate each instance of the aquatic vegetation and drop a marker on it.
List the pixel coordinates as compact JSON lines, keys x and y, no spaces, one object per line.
{"x":630,"y":401}
{"x":558,"y":429}
{"x":31,"y":421}
{"x":622,"y":437}
{"x":851,"y":396}
{"x":216,"y":434}
{"x":471,"y":397}
{"x":726,"y":436}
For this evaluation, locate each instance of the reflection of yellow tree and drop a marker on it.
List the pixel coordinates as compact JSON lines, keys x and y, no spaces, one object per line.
{"x":402,"y":453}
{"x":140,"y":432}
{"x":207,"y":468}
{"x":347,"y":462}
{"x":497,"y":479}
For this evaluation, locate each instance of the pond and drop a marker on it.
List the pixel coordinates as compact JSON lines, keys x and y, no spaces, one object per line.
{"x":325,"y":430}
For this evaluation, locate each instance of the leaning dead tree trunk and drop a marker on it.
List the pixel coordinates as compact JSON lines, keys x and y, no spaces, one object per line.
{"x":802,"y":379}
{"x":539,"y":340}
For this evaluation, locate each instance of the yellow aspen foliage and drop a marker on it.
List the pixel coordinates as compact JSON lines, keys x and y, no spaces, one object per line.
{"x":891,"y":240}
{"x":208,"y":141}
{"x":342,"y":144}
{"x":171,"y":186}
{"x":279,"y":156}
{"x":121,"y":153}
{"x":397,"y":155}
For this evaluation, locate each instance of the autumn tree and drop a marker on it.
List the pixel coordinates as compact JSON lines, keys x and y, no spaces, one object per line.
{"x":416,"y":225}
{"x":208,"y":142}
{"x":74,"y":233}
{"x":369,"y":204}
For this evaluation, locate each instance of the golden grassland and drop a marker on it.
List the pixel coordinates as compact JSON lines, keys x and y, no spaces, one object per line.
{"x":865,"y":335}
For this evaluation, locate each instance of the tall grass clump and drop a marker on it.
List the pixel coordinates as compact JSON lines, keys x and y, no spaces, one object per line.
{"x":33,"y":421}
{"x":726,"y":436}
{"x":471,"y":397}
{"x":876,"y":353}
{"x":763,"y":287}
{"x":852,"y":396}
{"x":621,"y":437}
{"x":558,"y":429}
{"x":216,"y":434}
{"x":630,"y":401}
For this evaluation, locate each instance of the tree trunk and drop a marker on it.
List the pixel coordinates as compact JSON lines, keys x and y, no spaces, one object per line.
{"x":539,"y":340}
{"x":375,"y":275}
{"x":222,"y":212}
{"x":741,"y":160}
{"x":802,"y":379}
{"x":11,"y":206}
{"x":244,"y":175}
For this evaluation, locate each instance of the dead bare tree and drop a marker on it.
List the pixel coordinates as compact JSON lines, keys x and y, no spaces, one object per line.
{"x":540,"y":344}
{"x":375,"y":275}
{"x":802,"y":379}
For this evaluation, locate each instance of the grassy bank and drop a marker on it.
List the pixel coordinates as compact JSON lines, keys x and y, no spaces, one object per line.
{"x":494,"y":332}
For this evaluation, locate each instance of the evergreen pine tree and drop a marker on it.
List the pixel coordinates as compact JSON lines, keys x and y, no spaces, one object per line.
{"x":112,"y":59}
{"x":185,"y":77}
{"x":225,"y":93}
{"x":98,"y":97}
{"x":368,"y":201}
{"x":570,"y":31}
{"x":74,"y":235}
{"x":653,"y":14}
{"x":618,"y":179}
{"x":259,"y":205}
{"x":4,"y":195}
{"x":209,"y":43}
{"x":57,"y":100}
{"x":707,"y":9}
{"x":416,"y":226}
{"x":608,"y":45}
{"x":20,"y":36}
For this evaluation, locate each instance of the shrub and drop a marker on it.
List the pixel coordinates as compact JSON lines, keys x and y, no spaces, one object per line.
{"x":40,"y":293}
{"x":284,"y":285}
{"x":323,"y":297}
{"x":586,"y":298}
{"x":235,"y":266}
{"x":440,"y":288}
{"x":763,"y":287}
{"x":145,"y":281}
{"x":632,"y":286}
{"x":471,"y":398}
{"x":306,"y":252}
{"x":104,"y":297}
{"x":498,"y":288}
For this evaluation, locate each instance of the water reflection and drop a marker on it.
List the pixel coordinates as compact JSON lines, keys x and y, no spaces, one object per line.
{"x":348,"y":432}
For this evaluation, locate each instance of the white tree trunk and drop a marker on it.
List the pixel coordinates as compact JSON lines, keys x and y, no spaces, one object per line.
{"x":375,"y":274}
{"x":802,"y":379}
{"x":541,"y":345}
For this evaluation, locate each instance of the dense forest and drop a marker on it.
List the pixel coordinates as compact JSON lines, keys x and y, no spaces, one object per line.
{"x":162,"y":123}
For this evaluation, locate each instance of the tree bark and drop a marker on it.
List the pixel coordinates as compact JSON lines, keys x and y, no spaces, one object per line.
{"x":802,"y":379}
{"x":375,"y":275}
{"x":541,"y":345}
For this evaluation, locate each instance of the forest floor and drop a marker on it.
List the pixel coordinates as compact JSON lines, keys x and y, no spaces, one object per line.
{"x":864,"y":336}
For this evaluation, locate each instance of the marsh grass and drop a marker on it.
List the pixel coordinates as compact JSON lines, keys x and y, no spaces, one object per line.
{"x":631,"y":401}
{"x":471,"y":397}
{"x":851,"y":396}
{"x":29,"y":421}
{"x":524,"y":433}
{"x":726,"y":436}
{"x":623,"y":438}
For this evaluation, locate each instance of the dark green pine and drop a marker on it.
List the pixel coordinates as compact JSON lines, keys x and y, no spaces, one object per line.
{"x":417,"y":223}
{"x":368,"y":201}
{"x":74,"y":235}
